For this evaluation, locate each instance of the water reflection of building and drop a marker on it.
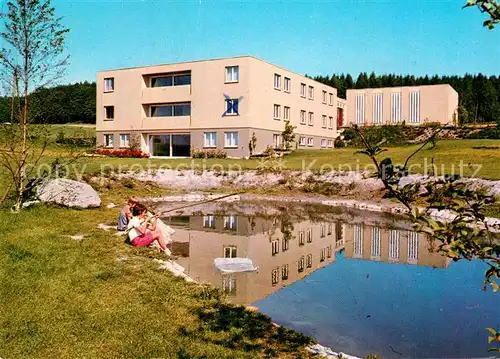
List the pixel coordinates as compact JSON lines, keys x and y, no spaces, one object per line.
{"x":283,"y":254}
{"x":389,"y":245}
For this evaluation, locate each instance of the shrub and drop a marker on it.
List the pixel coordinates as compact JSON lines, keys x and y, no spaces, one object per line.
{"x":491,"y":133}
{"x":124,"y":153}
{"x":76,"y":141}
{"x":339,"y":143}
{"x":269,"y":152}
{"x":208,"y":153}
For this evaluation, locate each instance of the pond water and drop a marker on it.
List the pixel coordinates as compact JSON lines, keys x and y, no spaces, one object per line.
{"x":360,"y":283}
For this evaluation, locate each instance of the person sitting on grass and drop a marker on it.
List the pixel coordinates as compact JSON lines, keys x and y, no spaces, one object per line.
{"x":142,"y":231}
{"x":126,"y":213}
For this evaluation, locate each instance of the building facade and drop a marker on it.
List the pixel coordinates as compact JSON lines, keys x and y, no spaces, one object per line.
{"x":168,"y":110}
{"x":413,"y":105}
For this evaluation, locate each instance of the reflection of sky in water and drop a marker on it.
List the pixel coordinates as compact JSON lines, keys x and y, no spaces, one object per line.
{"x":361,"y":307}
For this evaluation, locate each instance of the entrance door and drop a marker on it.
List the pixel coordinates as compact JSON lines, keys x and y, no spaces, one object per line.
{"x":170,"y":145}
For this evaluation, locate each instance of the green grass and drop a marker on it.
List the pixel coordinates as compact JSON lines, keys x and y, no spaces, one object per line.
{"x":100,"y":298}
{"x":447,"y":157}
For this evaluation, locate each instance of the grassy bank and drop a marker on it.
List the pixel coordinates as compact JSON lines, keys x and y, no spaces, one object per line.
{"x":99,"y":298}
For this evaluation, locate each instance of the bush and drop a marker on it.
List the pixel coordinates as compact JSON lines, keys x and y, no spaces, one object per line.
{"x":208,"y":153}
{"x":125,"y":153}
{"x":490,"y":133}
{"x":339,"y":143}
{"x":77,"y":141}
{"x":269,"y":152}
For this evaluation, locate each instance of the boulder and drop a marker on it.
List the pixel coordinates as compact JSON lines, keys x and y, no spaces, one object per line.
{"x":69,"y":193}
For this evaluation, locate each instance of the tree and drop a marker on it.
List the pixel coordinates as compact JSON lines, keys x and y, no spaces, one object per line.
{"x":288,"y":135}
{"x":467,"y":236}
{"x":490,"y":7}
{"x":32,"y":54}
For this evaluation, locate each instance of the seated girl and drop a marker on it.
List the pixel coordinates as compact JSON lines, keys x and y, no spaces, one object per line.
{"x":143,"y":232}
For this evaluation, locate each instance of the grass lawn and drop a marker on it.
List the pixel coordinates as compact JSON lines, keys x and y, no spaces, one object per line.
{"x":100,"y":298}
{"x":447,"y":158}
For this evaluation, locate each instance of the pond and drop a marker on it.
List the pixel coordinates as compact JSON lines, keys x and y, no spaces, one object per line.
{"x":358,"y":282}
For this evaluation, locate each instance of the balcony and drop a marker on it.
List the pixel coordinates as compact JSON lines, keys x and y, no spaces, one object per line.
{"x":152,"y":95}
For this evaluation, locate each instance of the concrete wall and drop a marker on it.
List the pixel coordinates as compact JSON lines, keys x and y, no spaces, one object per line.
{"x":438,"y":103}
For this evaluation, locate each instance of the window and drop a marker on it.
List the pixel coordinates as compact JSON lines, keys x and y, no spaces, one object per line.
{"x":310,"y":141}
{"x":169,"y":110}
{"x":230,"y":251}
{"x":284,"y":272}
{"x":124,"y":140}
{"x":109,"y":84}
{"x":286,"y":84}
{"x":302,"y":238}
{"x":394,"y":239}
{"x":285,"y":244}
{"x":311,"y":119}
{"x":376,"y":242}
{"x":174,"y":79}
{"x":109,"y":112}
{"x":276,"y":140}
{"x":358,"y":240}
{"x":277,"y":112}
{"x":309,"y":235}
{"x":323,"y":142}
{"x":309,"y":261}
{"x":109,"y":140}
{"x":324,"y":96}
{"x":210,"y":139}
{"x":377,"y":108}
{"x":275,"y":247}
{"x":322,"y":231}
{"x":286,"y":113}
{"x":208,"y":221}
{"x":277,"y":82}
{"x":229,"y":284}
{"x":330,"y":143}
{"x":322,"y":255}
{"x":330,"y":123}
{"x":413,"y":246}
{"x":415,"y":106}
{"x":275,"y":276}
{"x":230,"y":223}
{"x":302,"y":141}
{"x":329,"y":252}
{"x":300,"y":266}
{"x":323,"y":121}
{"x":360,"y":108}
{"x":330,"y":99}
{"x":311,"y":93}
{"x":302,"y":117}
{"x":396,"y":107}
{"x":232,"y":74}
{"x":330,"y":229}
{"x":232,"y":106}
{"x":303,"y":90}
{"x":231,"y":139}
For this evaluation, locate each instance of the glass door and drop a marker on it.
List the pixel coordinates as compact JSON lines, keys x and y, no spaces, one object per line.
{"x":181,"y":145}
{"x":160,"y":145}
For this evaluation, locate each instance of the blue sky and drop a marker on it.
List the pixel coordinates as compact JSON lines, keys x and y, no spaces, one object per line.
{"x":313,"y":37}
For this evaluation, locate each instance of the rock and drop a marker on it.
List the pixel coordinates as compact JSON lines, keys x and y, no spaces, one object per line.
{"x":69,"y":193}
{"x":111,"y":205}
{"x":77,"y":237}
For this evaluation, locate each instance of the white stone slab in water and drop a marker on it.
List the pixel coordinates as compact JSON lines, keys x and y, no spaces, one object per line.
{"x":234,"y":265}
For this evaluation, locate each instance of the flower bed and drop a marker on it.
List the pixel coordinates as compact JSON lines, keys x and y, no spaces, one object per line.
{"x":125,"y":153}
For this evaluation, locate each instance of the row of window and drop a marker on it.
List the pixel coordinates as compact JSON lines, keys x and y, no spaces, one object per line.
{"x":327,"y":121}
{"x":231,"y":139}
{"x":394,"y":243}
{"x":124,"y":140}
{"x":309,"y":141}
{"x":396,"y":107}
{"x":230,"y":223}
{"x":303,"y":262}
{"x":304,"y":89}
